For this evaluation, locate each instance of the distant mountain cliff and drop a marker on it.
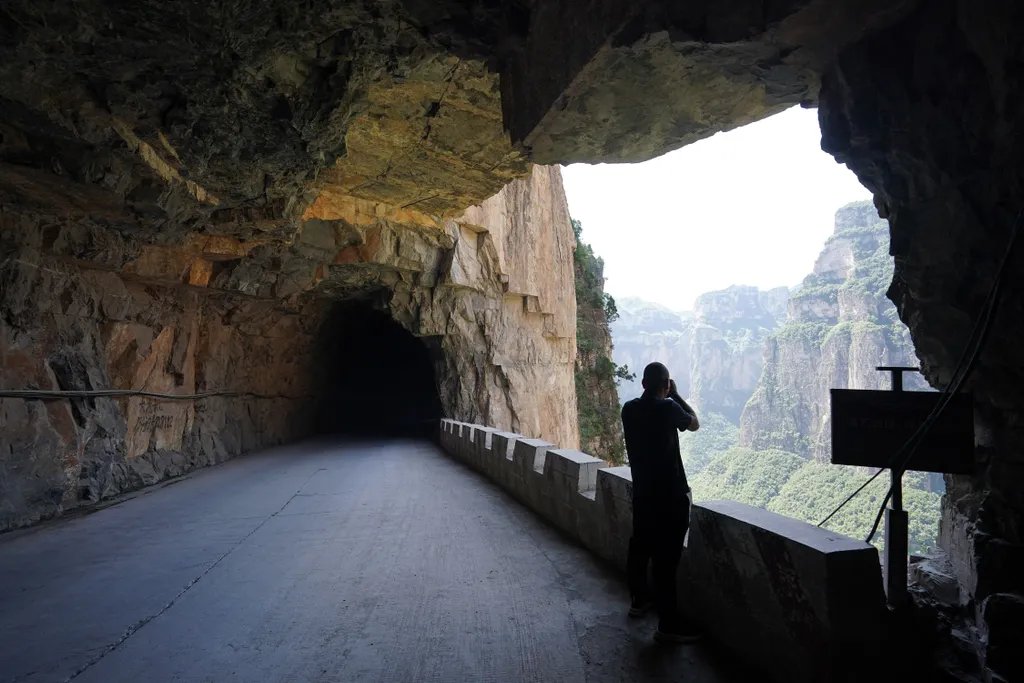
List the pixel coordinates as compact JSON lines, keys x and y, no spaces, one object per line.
{"x":715,"y":353}
{"x":645,"y":332}
{"x":730,"y":327}
{"x":838,"y":327}
{"x":758,"y":365}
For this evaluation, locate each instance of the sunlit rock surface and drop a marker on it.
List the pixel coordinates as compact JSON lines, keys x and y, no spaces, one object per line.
{"x":93,"y":307}
{"x":838,"y":328}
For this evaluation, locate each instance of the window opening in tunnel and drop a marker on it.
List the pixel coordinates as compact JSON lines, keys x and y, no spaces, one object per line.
{"x":374,"y":378}
{"x":756,"y":268}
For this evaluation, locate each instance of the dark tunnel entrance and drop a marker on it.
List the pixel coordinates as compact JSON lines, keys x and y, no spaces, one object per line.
{"x":374,"y":378}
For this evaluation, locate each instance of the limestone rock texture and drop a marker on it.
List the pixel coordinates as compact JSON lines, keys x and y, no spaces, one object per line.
{"x":509,"y":341}
{"x":727,"y":353}
{"x":838,"y":328}
{"x":579,"y":84}
{"x":87,"y":306}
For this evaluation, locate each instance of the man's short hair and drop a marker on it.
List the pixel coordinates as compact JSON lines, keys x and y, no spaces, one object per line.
{"x":655,"y":376}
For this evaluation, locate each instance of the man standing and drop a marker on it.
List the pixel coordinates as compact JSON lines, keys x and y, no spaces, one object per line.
{"x":661,"y":506}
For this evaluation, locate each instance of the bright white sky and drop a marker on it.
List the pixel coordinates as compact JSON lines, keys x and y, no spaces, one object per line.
{"x":748,"y":207}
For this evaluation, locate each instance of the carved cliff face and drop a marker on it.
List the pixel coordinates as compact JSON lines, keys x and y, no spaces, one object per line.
{"x":89,"y":307}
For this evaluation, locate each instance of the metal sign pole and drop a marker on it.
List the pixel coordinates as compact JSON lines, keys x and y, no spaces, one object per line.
{"x":894,"y":558}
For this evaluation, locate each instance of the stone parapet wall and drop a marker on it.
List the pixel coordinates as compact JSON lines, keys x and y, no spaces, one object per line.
{"x":798,"y":602}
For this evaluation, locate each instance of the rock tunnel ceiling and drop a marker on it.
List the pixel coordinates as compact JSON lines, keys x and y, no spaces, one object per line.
{"x":187,"y":186}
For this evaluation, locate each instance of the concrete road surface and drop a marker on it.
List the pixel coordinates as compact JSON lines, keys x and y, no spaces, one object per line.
{"x":376,"y":561}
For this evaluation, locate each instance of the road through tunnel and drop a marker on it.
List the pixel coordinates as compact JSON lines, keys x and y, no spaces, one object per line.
{"x":158,"y":200}
{"x":372,"y":377}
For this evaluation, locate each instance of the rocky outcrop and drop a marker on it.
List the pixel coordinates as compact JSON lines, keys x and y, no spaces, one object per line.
{"x":509,"y":342}
{"x":597,"y":396}
{"x":839,"y":327}
{"x":574,"y":87}
{"x":87,"y":306}
{"x":714,"y":353}
{"x":726,"y":356}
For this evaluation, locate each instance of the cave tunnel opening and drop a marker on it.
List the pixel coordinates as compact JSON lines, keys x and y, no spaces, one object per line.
{"x":373,"y":377}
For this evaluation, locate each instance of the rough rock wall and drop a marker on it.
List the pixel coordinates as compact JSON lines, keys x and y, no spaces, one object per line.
{"x":578,"y":85}
{"x":74,"y":326}
{"x":517,"y":321}
{"x":597,"y":396}
{"x":261,"y":105}
{"x":88,"y":306}
{"x":839,"y":327}
{"x":927,"y":114}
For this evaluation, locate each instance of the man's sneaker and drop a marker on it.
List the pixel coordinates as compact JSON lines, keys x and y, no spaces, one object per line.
{"x":676,"y":634}
{"x":640,"y":607}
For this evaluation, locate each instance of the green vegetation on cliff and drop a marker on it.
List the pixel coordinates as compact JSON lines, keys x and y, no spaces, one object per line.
{"x":716,"y":435}
{"x":597,"y":398}
{"x":790,"y":485}
{"x":839,"y":326}
{"x":816,"y":488}
{"x":751,"y":477}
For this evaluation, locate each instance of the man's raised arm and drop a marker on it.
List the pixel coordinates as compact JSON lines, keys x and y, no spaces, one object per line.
{"x":687,"y":417}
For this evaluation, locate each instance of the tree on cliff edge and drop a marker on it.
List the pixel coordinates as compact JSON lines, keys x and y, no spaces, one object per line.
{"x":596,"y":374}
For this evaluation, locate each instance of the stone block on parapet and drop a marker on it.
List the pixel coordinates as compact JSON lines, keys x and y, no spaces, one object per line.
{"x":445,"y":431}
{"x":592,"y":527}
{"x":567,"y":473}
{"x":615,"y":510}
{"x":800,"y":602}
{"x":451,"y":436}
{"x":527,"y":467}
{"x":466,"y":443}
{"x":454,"y":430}
{"x":496,"y":467}
{"x":576,"y":466}
{"x":481,"y":446}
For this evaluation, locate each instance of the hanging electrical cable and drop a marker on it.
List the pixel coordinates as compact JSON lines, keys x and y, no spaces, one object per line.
{"x":54,"y":395}
{"x":995,"y":297}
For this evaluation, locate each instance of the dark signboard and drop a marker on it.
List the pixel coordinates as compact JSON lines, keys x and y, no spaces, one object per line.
{"x":869,"y":427}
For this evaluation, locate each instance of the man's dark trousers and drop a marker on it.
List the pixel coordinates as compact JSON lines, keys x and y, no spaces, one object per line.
{"x":658,"y":532}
